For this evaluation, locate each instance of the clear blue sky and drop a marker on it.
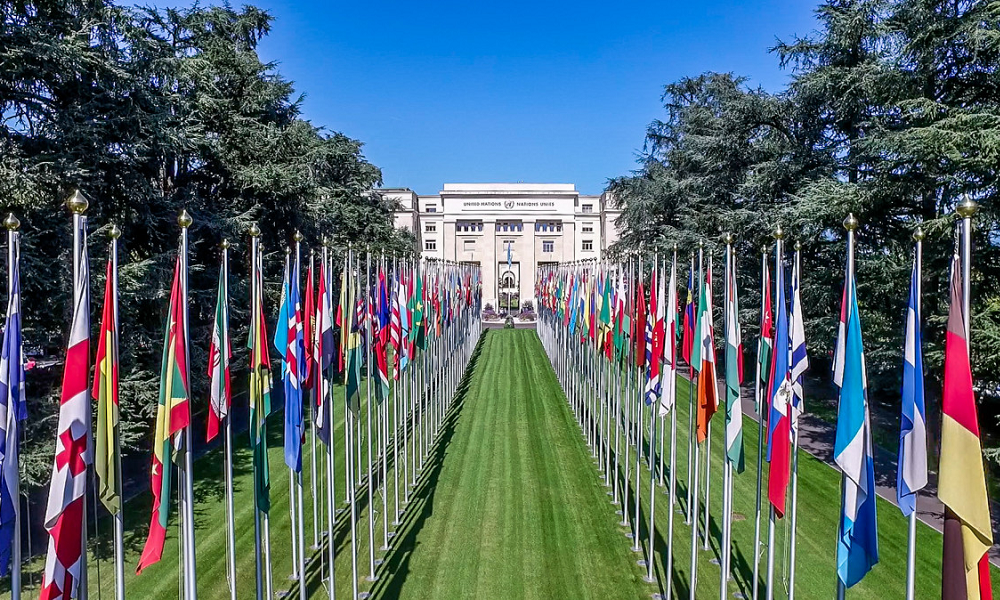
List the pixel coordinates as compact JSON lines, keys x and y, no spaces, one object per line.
{"x":513,"y":91}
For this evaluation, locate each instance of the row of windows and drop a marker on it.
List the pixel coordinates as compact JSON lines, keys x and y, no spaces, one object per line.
{"x":467,"y":226}
{"x":548,"y":246}
{"x":549,"y":226}
{"x":587,"y":208}
{"x":471,"y":226}
{"x":510,"y":226}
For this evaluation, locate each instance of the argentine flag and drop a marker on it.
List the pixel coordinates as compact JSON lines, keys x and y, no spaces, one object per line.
{"x":857,"y":544}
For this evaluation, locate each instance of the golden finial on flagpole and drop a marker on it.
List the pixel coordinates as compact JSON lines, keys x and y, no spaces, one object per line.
{"x":918,"y":235}
{"x":254,"y":230}
{"x":728,"y":238}
{"x":779,"y":233}
{"x":798,"y":246}
{"x":967,"y":207}
{"x":77,"y":202}
{"x":224,"y":244}
{"x":298,"y":237}
{"x":114,"y":233}
{"x":851,"y":222}
{"x":184,"y":219}
{"x":11,"y":222}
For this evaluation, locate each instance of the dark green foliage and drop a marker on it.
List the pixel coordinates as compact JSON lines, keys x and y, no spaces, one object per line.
{"x":893,"y":113}
{"x":149,"y":111}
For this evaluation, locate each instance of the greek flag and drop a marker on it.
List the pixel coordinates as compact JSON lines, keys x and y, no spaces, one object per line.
{"x":800,"y":360}
{"x":13,"y":410}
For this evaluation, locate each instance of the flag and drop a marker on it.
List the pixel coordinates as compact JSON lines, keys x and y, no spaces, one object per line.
{"x":404,"y":324}
{"x":13,"y":410}
{"x":703,"y":357}
{"x":353,"y":348}
{"x":64,"y":510}
{"x":653,"y":341}
{"x":765,"y":344}
{"x":323,"y":355}
{"x":643,"y":338}
{"x":418,"y":334}
{"x":666,"y":319}
{"x":105,"y":391}
{"x":381,"y":309}
{"x":396,"y":327}
{"x":800,"y":359}
{"x":734,"y":372}
{"x":968,"y":534}
{"x":687,"y":343}
{"x":219,"y":354}
{"x":291,"y":365}
{"x":173,"y":414}
{"x":911,"y":474}
{"x":857,"y":546}
{"x":779,"y":433}
{"x":309,"y":324}
{"x":259,"y":391}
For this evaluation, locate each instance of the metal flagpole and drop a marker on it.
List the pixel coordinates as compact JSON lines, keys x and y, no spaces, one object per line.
{"x":637,"y":432}
{"x":758,"y":392}
{"x":349,"y":430}
{"x":779,"y":235}
{"x":299,"y":490}
{"x":13,"y":250}
{"x":384,"y":424}
{"x":692,"y":445}
{"x":727,"y":467}
{"x":228,"y":439}
{"x":187,"y":497}
{"x":254,"y":294}
{"x":708,"y":435}
{"x":78,"y":204}
{"x":369,"y":352}
{"x":327,"y":408}
{"x":672,"y":390}
{"x":653,"y":406}
{"x":850,"y":224}
{"x":911,"y":544}
{"x":695,"y":507}
{"x":396,"y":389}
{"x":313,"y":473}
{"x":292,"y":529}
{"x":795,"y":457}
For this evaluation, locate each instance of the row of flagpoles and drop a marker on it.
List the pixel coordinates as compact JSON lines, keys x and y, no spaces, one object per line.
{"x":618,"y":346}
{"x":407,"y":330}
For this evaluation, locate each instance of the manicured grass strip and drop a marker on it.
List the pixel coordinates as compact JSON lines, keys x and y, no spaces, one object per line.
{"x":515,"y":510}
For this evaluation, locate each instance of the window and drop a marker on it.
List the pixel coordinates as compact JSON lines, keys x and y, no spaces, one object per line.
{"x":432,"y":208}
{"x":430,"y":227}
{"x":469,"y":245}
{"x":588,"y":245}
{"x":548,"y":246}
{"x":587,"y":228}
{"x":430,"y":245}
{"x":588,"y":208}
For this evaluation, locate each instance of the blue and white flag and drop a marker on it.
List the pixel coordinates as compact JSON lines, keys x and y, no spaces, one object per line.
{"x":292,"y":367}
{"x":911,"y":475}
{"x":779,"y":392}
{"x":13,"y":410}
{"x":800,"y":360}
{"x":857,"y":544}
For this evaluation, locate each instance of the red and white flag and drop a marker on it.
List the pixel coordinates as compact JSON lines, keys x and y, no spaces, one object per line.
{"x":64,"y":512}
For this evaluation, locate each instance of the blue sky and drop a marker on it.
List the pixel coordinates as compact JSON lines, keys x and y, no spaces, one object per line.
{"x":515,"y":91}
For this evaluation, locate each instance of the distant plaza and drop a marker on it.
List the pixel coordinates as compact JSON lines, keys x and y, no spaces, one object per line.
{"x":482,"y":223}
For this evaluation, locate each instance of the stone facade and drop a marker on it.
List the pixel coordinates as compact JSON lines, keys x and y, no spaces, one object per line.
{"x":484,"y":223}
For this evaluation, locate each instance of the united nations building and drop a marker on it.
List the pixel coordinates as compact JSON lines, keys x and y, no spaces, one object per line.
{"x":508,"y":229}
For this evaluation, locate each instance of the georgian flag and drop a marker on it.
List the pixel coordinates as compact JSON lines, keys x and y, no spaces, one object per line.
{"x":64,"y":510}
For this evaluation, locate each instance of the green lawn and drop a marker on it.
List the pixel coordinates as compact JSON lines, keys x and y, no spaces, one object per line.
{"x":510,"y":505}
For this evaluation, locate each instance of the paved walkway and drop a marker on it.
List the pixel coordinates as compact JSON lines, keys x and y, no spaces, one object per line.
{"x":817,"y":437}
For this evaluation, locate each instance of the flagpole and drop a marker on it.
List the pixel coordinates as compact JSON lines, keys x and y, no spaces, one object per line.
{"x":187,"y":497}
{"x":779,"y":235}
{"x":911,"y":545}
{"x":695,"y":521}
{"x":297,"y":476}
{"x":13,"y":241}
{"x":369,"y":346}
{"x":727,"y":467}
{"x":228,"y":440}
{"x":795,"y":443}
{"x":850,"y":224}
{"x":350,"y":476}
{"x":654,"y":406}
{"x":758,"y":392}
{"x":314,"y":475}
{"x":254,"y":250}
{"x":326,"y":406}
{"x":691,"y":413}
{"x":672,"y":386}
{"x":708,"y":428}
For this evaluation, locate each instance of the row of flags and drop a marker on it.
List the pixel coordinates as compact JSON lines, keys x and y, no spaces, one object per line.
{"x":399,"y":314}
{"x":605,"y":309}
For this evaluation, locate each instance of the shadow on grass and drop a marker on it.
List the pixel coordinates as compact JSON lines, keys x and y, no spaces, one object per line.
{"x":393,"y":571}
